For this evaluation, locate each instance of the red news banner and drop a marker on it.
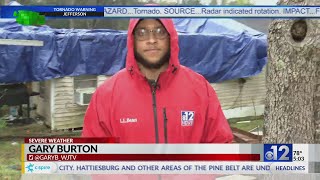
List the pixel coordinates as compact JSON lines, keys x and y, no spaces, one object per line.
{"x":94,"y":149}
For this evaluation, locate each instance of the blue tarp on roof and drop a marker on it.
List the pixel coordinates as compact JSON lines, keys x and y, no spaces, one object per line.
{"x":213,"y":26}
{"x":221,"y":49}
{"x":72,"y":52}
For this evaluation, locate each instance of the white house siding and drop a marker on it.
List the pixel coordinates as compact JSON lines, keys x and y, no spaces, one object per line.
{"x":253,"y":92}
{"x":43,"y":102}
{"x":67,"y":114}
{"x":251,"y":100}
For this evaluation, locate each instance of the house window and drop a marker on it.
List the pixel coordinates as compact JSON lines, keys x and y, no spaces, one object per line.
{"x":86,"y":81}
{"x":84,"y":87}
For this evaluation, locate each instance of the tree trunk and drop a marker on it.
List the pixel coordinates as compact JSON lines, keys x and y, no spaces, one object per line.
{"x":292,"y":113}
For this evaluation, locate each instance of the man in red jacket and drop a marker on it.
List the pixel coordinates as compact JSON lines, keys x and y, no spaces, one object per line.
{"x":155,"y":99}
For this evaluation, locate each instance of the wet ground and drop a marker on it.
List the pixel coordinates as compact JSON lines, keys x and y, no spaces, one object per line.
{"x":11,"y":138}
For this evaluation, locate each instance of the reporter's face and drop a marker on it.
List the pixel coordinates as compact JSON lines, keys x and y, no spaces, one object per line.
{"x":151,"y":43}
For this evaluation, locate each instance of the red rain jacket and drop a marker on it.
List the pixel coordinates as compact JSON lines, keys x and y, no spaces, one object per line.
{"x":181,"y":108}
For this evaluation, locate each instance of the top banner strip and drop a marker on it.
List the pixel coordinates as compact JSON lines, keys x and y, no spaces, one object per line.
{"x":167,"y":11}
{"x":213,"y":12}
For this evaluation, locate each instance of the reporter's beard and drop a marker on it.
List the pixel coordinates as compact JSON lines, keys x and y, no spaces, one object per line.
{"x":150,"y":65}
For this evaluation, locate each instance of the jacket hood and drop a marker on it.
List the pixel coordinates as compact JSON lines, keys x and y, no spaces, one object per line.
{"x":131,"y":63}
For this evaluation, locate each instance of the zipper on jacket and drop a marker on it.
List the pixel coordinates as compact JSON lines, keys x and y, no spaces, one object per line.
{"x":165,"y":122}
{"x":153,"y":85}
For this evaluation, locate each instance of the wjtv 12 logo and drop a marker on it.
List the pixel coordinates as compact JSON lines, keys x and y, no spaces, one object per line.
{"x":277,"y":153}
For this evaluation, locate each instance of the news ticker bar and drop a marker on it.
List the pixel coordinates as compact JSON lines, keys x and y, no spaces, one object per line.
{"x":165,"y":11}
{"x":169,"y":152}
{"x":154,"y":167}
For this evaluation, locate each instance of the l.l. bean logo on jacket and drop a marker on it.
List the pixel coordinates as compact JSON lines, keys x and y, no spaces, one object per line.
{"x":128,"y":120}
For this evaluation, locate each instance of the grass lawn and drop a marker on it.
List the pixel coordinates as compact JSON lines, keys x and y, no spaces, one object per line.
{"x":24,"y":130}
{"x":10,"y":164}
{"x":10,"y":154}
